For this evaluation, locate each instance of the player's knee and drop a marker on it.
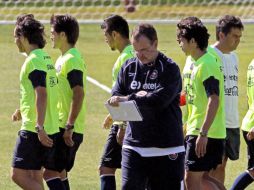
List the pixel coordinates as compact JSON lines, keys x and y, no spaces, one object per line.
{"x":106,"y":170}
{"x":193,"y":179}
{"x":187,"y":178}
{"x":48,"y":174}
{"x":224,"y":161}
{"x":63,"y":174}
{"x":221,"y":167}
{"x":14,"y":175}
{"x":99,"y":170}
{"x":45,"y":175}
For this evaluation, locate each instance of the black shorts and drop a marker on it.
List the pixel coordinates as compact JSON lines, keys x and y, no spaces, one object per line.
{"x":232,"y":144}
{"x":156,"y":173}
{"x":30,"y":154}
{"x":212,"y":158}
{"x":68,"y":154}
{"x":250,"y":150}
{"x":112,"y":154}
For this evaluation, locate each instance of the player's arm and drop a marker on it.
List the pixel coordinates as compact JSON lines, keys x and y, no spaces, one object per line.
{"x":41,"y":104}
{"x":107,"y":123}
{"x":75,"y":79}
{"x":212,"y":90}
{"x":38,"y":80}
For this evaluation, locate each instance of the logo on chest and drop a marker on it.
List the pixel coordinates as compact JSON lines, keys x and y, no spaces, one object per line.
{"x":136,"y":85}
{"x":154,"y":75}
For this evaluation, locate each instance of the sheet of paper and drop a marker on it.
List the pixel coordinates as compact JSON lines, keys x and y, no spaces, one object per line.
{"x":126,"y":111}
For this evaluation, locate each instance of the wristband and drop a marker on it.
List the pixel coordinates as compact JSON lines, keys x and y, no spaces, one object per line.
{"x":203,"y":134}
{"x":38,"y":128}
{"x":69,"y":127}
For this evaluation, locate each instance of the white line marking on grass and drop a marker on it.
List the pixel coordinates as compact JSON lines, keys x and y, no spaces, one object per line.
{"x":96,"y":83}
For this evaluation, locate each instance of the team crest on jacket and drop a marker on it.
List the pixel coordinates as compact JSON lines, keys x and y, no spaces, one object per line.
{"x":173,"y":156}
{"x":154,"y":74}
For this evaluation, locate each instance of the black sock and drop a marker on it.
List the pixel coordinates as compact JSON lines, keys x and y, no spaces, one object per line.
{"x":55,"y":184}
{"x":66,"y":184}
{"x":108,"y":182}
{"x":242,"y":181}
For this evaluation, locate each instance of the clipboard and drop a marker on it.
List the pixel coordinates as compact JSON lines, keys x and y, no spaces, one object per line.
{"x":126,"y":111}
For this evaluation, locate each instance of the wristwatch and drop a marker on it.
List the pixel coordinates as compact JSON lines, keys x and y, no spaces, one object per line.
{"x":203,"y":134}
{"x":38,"y":128}
{"x":69,"y":127}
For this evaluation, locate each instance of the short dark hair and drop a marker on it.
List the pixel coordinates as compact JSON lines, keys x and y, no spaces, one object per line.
{"x":30,"y":28}
{"x":67,"y":24}
{"x":192,"y":27}
{"x":146,"y":30}
{"x":227,"y":22}
{"x":116,"y":23}
{"x":21,"y":17}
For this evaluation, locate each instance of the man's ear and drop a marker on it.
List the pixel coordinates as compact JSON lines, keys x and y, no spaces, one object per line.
{"x":155,"y":43}
{"x":221,"y":35}
{"x":62,"y":34}
{"x":23,"y":40}
{"x":192,"y":40}
{"x":114,"y":34}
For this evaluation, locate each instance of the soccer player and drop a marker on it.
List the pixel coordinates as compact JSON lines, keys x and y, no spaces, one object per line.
{"x":228,"y":33}
{"x":153,"y":150}
{"x":247,"y":177}
{"x":35,"y":146}
{"x":116,"y":32}
{"x":205,"y":103}
{"x":71,"y":72}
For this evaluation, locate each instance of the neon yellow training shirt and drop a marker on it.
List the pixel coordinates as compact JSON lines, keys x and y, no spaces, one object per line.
{"x":127,"y":53}
{"x":202,"y":69}
{"x":248,"y":120}
{"x":71,"y":60}
{"x":38,"y":60}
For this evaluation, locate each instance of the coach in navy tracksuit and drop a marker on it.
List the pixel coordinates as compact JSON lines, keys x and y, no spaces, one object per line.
{"x":153,"y":148}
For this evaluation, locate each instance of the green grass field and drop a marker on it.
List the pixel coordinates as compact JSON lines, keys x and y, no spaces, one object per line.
{"x":99,"y":59}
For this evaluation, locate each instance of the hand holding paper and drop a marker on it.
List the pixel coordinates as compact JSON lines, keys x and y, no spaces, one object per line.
{"x":114,"y":100}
